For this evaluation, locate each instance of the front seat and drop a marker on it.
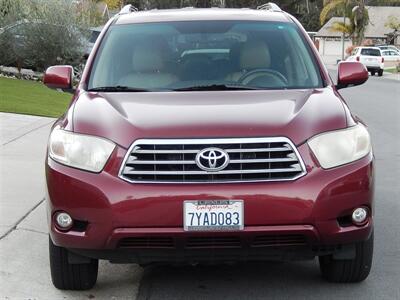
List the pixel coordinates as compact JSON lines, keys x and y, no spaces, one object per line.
{"x":252,"y":55}
{"x":148,"y":67}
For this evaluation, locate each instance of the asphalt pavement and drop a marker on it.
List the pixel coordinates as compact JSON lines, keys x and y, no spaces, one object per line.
{"x":24,"y":269}
{"x":377,"y":103}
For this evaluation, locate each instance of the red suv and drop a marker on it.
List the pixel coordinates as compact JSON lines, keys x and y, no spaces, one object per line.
{"x":208,"y":135}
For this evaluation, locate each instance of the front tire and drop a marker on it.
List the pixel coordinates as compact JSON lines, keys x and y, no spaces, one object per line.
{"x":66,"y":276}
{"x":353,"y":270}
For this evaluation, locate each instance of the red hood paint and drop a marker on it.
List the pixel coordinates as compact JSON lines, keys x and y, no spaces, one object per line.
{"x":125,"y":117}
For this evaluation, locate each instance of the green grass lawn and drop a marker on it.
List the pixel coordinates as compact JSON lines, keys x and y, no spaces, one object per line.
{"x":391,"y":70}
{"x":32,"y":98}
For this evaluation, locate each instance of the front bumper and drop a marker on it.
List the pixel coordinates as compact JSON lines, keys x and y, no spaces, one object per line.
{"x":255,"y":243}
{"x":112,"y":210}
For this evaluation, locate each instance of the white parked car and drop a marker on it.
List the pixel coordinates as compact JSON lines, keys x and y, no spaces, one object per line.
{"x":391,"y":55}
{"x":388,"y":47}
{"x":370,"y":57}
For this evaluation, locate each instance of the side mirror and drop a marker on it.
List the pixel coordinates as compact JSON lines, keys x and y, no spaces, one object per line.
{"x":351,"y":74}
{"x":59,"y":77}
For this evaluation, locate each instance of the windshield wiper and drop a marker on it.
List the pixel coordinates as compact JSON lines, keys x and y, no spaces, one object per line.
{"x":215,"y":87}
{"x":118,"y":88}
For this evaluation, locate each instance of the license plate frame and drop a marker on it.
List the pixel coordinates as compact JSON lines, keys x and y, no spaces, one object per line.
{"x":213,"y":209}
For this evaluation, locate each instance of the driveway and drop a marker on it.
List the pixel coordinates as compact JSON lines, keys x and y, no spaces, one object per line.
{"x":23,"y":144}
{"x":24,"y":272}
{"x":24,"y":255}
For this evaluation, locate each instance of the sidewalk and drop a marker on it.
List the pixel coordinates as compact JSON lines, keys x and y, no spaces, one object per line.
{"x":24,"y":261}
{"x":391,"y":76}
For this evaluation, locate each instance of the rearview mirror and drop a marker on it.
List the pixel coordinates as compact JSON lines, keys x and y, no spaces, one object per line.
{"x":351,"y":74}
{"x":59,"y":77}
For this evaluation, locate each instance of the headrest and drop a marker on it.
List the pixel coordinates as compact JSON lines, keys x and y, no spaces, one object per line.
{"x":148,"y":57}
{"x":255,"y":55}
{"x":234,"y":55}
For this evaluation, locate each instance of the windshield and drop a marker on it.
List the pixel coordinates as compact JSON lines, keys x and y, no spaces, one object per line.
{"x":204,"y":55}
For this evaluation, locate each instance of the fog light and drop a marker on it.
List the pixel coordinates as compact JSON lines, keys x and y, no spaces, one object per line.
{"x":359,"y":215}
{"x":64,"y":220}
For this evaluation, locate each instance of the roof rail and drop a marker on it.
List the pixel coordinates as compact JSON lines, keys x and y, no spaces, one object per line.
{"x":127,"y":9}
{"x":270,"y":6}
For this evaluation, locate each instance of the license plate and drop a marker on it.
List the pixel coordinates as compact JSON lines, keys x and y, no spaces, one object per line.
{"x":217,"y":215}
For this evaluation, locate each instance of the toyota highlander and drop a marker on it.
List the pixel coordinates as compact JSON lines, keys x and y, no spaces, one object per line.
{"x":208,"y":136}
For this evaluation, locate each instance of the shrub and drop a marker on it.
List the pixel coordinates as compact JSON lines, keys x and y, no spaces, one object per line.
{"x":350,"y":49}
{"x":42,"y":33}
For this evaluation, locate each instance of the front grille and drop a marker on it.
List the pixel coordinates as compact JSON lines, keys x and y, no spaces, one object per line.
{"x":174,"y":161}
{"x":279,"y":240}
{"x":147,"y":242}
{"x":213,"y":242}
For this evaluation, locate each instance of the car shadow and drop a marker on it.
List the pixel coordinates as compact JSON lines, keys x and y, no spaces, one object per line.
{"x":275,"y":280}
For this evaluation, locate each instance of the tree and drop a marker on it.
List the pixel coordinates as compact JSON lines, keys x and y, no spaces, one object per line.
{"x":40,"y":33}
{"x":113,"y":4}
{"x":11,"y":11}
{"x":353,"y":11}
{"x":88,"y":13}
{"x":5,"y":7}
{"x":393,"y":23}
{"x":356,"y":13}
{"x":307,"y":11}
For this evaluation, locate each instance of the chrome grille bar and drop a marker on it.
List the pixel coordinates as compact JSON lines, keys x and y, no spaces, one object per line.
{"x":227,"y":150}
{"x":258,"y":150}
{"x":174,"y":161}
{"x":296,"y":169}
{"x":164,"y":151}
{"x":192,"y":162}
{"x":159,"y":162}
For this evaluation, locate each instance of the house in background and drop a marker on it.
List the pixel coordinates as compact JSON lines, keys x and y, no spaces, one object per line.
{"x":330,"y":41}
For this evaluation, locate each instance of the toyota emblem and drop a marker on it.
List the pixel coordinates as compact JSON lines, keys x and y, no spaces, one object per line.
{"x":212,"y":159}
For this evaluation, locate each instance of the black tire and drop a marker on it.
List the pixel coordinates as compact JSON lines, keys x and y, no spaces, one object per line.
{"x":354,"y":270}
{"x":380,"y":73}
{"x":66,"y":276}
{"x":372,"y":73}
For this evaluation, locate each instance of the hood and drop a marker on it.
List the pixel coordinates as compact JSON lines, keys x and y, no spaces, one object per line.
{"x":125,"y":117}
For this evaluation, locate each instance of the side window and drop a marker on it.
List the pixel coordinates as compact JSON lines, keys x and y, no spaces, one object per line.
{"x":302,"y":74}
{"x":354,"y":52}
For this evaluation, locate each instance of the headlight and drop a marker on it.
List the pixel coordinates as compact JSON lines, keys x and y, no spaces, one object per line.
{"x":80,"y":151}
{"x":340,"y":147}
